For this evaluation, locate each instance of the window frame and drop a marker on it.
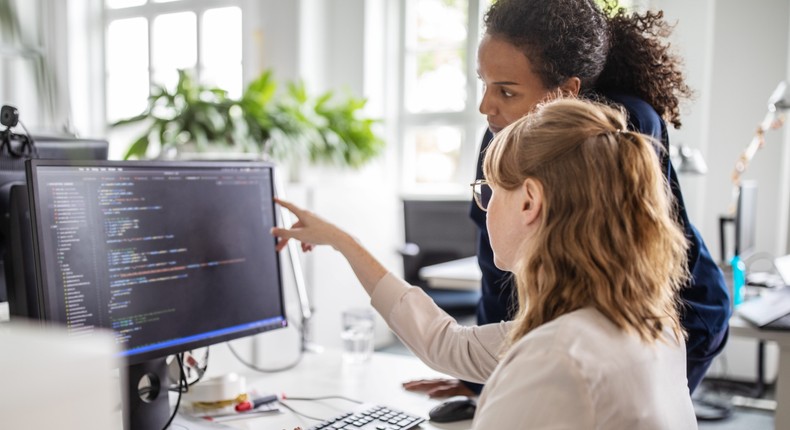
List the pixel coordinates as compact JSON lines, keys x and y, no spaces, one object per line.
{"x":150,"y":10}
{"x":469,"y":121}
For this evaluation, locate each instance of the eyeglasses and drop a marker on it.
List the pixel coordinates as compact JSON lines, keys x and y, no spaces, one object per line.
{"x":481,"y":192}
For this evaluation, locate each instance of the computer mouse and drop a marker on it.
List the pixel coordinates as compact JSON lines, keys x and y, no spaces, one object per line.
{"x":456,"y":408}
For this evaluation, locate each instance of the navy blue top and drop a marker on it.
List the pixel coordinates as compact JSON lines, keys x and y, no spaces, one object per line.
{"x":706,"y":301}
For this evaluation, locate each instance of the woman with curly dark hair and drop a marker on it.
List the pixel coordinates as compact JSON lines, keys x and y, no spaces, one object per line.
{"x":534,"y":50}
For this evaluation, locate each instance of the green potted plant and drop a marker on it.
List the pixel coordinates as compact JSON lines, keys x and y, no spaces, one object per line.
{"x":285,"y":126}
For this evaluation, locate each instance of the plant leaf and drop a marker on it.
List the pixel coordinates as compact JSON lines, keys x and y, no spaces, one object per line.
{"x":138,"y":148}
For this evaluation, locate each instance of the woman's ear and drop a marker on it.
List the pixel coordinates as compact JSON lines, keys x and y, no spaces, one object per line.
{"x":571,"y":86}
{"x":532,"y":204}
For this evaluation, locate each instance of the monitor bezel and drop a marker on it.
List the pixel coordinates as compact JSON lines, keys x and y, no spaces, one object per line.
{"x":45,"y":307}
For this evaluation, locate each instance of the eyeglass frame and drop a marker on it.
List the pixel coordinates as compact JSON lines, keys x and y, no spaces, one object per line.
{"x":478,"y":196}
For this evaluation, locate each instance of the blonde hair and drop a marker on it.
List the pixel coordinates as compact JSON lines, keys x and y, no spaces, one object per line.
{"x":607,"y":237}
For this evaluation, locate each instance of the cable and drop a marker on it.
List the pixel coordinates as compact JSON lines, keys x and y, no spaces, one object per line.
{"x":322,"y":398}
{"x":712,"y":409}
{"x":299,"y":413}
{"x":182,"y":380}
{"x":27,"y":147}
{"x":201,"y":370}
{"x":284,"y":397}
{"x":265,"y":370}
{"x":189,"y":364}
{"x":30,"y":141}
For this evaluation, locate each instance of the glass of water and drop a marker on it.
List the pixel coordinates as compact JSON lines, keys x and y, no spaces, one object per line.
{"x":357,"y":334}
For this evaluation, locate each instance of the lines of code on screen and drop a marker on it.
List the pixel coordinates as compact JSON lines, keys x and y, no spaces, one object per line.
{"x":162,"y":256}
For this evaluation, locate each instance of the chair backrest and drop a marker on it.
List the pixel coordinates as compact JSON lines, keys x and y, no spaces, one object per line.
{"x":440,"y":229}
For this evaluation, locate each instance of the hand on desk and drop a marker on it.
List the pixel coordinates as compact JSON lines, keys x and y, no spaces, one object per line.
{"x":439,"y":387}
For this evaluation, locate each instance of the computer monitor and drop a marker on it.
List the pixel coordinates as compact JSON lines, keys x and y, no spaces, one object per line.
{"x":746,"y":219}
{"x":170,"y":255}
{"x":12,"y":174}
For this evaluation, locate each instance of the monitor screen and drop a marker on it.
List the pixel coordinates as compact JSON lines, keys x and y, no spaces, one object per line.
{"x":12,"y":174}
{"x":746,"y":220}
{"x":170,"y":256}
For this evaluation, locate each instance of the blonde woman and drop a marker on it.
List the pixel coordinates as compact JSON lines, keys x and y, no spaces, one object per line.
{"x":580,"y":213}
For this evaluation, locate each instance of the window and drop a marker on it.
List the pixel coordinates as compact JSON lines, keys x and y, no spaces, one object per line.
{"x":440,"y":126}
{"x":438,"y":107}
{"x":147,"y":41}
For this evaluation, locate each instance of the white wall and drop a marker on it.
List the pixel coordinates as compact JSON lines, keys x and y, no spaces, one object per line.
{"x":85,"y":58}
{"x":736,"y":52}
{"x":274,"y":28}
{"x":693,"y":41}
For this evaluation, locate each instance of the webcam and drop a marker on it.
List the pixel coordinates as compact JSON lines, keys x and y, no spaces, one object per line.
{"x":9,"y":116}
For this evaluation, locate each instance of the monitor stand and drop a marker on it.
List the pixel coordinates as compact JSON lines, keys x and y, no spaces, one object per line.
{"x":146,"y":399}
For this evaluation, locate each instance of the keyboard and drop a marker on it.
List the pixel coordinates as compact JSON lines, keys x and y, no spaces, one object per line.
{"x":780,"y":324}
{"x":371,"y":417}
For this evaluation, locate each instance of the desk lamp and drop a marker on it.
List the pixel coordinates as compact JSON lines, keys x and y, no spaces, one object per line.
{"x":774,"y":119}
{"x":688,"y":160}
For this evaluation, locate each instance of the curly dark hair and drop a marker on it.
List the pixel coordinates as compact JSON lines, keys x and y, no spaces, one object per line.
{"x":606,"y":48}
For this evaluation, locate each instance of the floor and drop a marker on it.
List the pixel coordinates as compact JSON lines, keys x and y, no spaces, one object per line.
{"x":755,"y":417}
{"x":741,"y":418}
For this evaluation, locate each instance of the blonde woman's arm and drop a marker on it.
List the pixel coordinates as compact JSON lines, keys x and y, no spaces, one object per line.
{"x":435,"y":337}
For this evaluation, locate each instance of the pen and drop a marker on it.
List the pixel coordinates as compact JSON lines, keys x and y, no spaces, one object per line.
{"x":249,"y":405}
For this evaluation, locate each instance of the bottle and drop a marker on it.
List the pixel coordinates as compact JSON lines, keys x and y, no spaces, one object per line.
{"x":738,"y":280}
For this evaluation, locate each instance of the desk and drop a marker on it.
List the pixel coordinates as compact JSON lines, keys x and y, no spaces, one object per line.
{"x":463,"y":274}
{"x":739,"y":327}
{"x":377,"y":381}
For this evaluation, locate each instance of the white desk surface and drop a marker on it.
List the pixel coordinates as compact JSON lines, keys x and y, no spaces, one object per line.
{"x":463,"y":274}
{"x":740,"y":327}
{"x":377,"y":381}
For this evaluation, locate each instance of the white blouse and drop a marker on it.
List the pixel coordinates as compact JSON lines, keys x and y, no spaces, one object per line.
{"x":577,"y":372}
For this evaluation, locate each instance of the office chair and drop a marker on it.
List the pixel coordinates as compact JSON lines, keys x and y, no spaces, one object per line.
{"x":437,"y":231}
